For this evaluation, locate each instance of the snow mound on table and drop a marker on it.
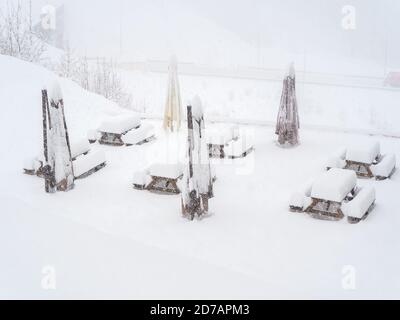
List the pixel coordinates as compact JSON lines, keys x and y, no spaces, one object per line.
{"x":222,"y":135}
{"x":120,"y":124}
{"x":170,"y":171}
{"x":21,"y":84}
{"x":334,"y":185}
{"x":364,"y":152}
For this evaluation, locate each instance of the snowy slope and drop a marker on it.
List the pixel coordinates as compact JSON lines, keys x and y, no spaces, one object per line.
{"x":20,"y":99}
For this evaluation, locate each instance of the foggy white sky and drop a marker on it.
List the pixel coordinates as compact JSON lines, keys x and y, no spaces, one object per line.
{"x":231,"y":30}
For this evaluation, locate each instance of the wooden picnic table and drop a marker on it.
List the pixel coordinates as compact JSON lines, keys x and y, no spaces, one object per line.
{"x":329,"y":192}
{"x":360,"y":159}
{"x":164,"y":178}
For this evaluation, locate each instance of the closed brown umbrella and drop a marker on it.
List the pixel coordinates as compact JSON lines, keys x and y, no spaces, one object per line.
{"x":287,"y":127}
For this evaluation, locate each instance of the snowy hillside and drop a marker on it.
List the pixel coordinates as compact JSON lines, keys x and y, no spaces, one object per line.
{"x":20,"y":97}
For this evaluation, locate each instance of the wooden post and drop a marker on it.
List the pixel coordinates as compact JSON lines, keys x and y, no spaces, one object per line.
{"x":48,"y":170}
{"x":66,"y":133}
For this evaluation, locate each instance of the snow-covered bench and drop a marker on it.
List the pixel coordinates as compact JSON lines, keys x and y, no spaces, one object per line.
{"x":84,"y":161}
{"x":366,"y":160}
{"x":385,"y":168}
{"x":93,"y":135}
{"x":301,"y":199}
{"x":33,"y":166}
{"x":125,"y":130}
{"x":79,"y":147}
{"x":143,"y":134}
{"x":86,"y":165}
{"x":360,"y":207}
{"x":238,"y":149}
{"x":337,"y":160}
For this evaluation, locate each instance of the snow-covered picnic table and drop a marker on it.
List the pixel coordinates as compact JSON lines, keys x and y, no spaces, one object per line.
{"x":162,"y":178}
{"x":222,"y":135}
{"x":334,"y":185}
{"x":119,"y":124}
{"x":159,"y":177}
{"x":124,"y":130}
{"x":334,"y":195}
{"x":366,"y":160}
{"x":227,"y":143}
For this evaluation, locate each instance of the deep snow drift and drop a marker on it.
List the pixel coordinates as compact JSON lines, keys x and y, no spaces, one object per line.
{"x":107,"y":240}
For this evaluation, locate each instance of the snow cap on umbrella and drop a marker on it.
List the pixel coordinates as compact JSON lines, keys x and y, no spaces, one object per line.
{"x":291,"y":72}
{"x":54,"y":91}
{"x":173,"y":62}
{"x":197,"y":108}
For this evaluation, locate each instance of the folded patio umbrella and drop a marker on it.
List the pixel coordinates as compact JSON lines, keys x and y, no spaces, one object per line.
{"x":198,"y":178}
{"x":287,"y":127}
{"x":58,"y":170}
{"x":173,"y":107}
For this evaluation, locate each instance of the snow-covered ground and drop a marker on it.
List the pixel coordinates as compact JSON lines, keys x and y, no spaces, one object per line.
{"x":107,"y":240}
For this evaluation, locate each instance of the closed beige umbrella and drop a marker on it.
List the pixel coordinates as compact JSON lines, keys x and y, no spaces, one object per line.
{"x":173,"y":107}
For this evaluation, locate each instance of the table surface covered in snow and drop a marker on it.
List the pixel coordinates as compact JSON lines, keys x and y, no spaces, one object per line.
{"x":222,"y":135}
{"x":119,"y":124}
{"x":334,"y":185}
{"x":364,"y":152}
{"x":169,"y":171}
